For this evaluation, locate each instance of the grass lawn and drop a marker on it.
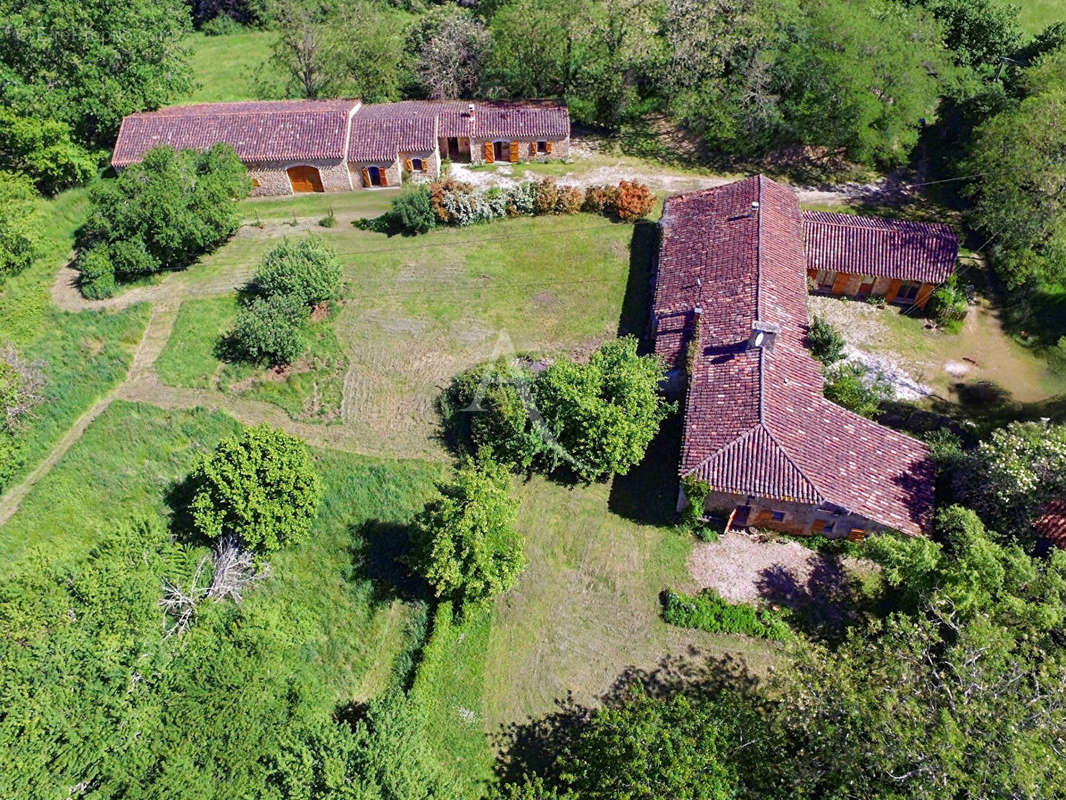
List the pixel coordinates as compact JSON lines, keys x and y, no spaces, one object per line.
{"x":83,"y":355}
{"x":310,"y":389}
{"x":130,"y":457}
{"x":224,"y":67}
{"x":1035,"y":15}
{"x":418,"y":310}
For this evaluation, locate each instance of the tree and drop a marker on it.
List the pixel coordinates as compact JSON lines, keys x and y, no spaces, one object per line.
{"x":43,"y":150}
{"x":90,"y":63}
{"x":18,"y":224}
{"x":1013,"y":473}
{"x":825,"y":341}
{"x":342,"y":50}
{"x":161,"y":214}
{"x":849,"y":385}
{"x":1019,"y":197}
{"x":307,"y":269}
{"x":270,"y":329}
{"x":600,"y":417}
{"x":860,"y":77}
{"x":467,"y":547}
{"x":259,"y":487}
{"x":978,"y":32}
{"x":450,"y":48}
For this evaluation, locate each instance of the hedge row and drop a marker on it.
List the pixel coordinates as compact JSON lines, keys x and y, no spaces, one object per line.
{"x":709,"y":612}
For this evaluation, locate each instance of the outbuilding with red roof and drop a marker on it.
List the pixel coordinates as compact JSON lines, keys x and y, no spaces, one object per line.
{"x":342,"y":145}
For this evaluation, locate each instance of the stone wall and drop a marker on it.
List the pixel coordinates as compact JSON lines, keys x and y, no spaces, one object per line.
{"x":432,"y":166}
{"x":799,"y":518}
{"x":560,"y":149}
{"x":392,"y":172}
{"x":274,"y":180}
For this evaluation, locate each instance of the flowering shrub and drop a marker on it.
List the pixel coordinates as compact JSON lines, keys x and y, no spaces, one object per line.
{"x":569,"y":201}
{"x":546,"y":197}
{"x":440,"y":190}
{"x":634,"y":200}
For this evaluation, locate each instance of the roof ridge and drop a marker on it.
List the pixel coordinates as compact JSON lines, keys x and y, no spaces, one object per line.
{"x":758,"y":295}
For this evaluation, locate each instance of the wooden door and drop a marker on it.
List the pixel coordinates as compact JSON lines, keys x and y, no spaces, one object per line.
{"x":514,"y":153}
{"x":305,"y":179}
{"x":839,"y":284}
{"x":867,"y":285}
{"x":490,"y":153}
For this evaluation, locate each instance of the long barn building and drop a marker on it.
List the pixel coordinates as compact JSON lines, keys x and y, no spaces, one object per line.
{"x":292,"y":146}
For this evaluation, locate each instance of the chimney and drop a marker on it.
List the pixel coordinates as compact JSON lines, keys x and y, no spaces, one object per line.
{"x":763,"y":335}
{"x":470,"y":111}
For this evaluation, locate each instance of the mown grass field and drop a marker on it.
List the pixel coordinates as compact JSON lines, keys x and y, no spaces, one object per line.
{"x":82,"y":355}
{"x":127,"y":465}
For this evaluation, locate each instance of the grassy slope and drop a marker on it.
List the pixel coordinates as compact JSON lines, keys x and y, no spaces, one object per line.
{"x":84,"y":355}
{"x":225,"y":66}
{"x":1035,"y":15}
{"x":130,"y":457}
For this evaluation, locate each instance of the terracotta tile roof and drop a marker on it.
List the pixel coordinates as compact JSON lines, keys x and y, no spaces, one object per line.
{"x":1051,"y":524}
{"x":277,"y":130}
{"x":382,"y":130}
{"x":755,"y":420}
{"x":890,"y":248}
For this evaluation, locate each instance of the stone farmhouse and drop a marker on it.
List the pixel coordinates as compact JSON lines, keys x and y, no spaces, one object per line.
{"x":730,"y":315}
{"x":293,"y":146}
{"x":898,"y":260}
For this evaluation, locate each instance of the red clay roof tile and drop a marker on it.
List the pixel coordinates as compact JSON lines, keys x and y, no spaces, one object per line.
{"x":755,"y":419}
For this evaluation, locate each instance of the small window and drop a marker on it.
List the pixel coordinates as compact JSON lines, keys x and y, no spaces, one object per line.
{"x":255,"y":183}
{"x":778,"y":516}
{"x":823,"y":526}
{"x":417,"y":165}
{"x":542,"y":147}
{"x":908,"y":291}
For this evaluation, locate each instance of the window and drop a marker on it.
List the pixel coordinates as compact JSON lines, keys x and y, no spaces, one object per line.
{"x":417,"y":165}
{"x":822,"y":526}
{"x":542,"y":147}
{"x":778,"y":516}
{"x":908,"y":291}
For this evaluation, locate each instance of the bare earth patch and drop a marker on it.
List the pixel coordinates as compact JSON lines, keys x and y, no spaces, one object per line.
{"x":736,"y":564}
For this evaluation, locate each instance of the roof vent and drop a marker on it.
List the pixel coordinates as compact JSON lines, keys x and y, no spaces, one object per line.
{"x":754,"y":205}
{"x":470,"y":110}
{"x":763,"y":335}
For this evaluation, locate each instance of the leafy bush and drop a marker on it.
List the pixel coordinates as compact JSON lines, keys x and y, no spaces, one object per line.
{"x":440,"y":190}
{"x":487,"y":408}
{"x":633,"y":201}
{"x":600,"y":199}
{"x":259,"y":486}
{"x":570,"y":200}
{"x":546,"y":197}
{"x":948,"y":303}
{"x":307,"y":270}
{"x":412,"y":212}
{"x":467,"y":546}
{"x":44,"y":151}
{"x":848,"y":384}
{"x":222,"y":25}
{"x":825,"y":340}
{"x":18,"y":223}
{"x":696,"y":492}
{"x":596,"y":418}
{"x":162,"y":213}
{"x":270,"y":329}
{"x":709,"y":612}
{"x":97,"y":279}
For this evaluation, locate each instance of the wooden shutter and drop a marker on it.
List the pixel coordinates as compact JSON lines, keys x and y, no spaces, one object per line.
{"x":548,"y":147}
{"x":384,"y":176}
{"x":490,"y":157}
{"x":532,"y":148}
{"x":840,"y":282}
{"x":407,"y":165}
{"x":893,"y":290}
{"x":514,"y":152}
{"x":924,"y":293}
{"x":366,"y":177}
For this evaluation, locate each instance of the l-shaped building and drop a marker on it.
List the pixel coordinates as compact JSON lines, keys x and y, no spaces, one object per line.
{"x":730,"y":318}
{"x":292,"y":146}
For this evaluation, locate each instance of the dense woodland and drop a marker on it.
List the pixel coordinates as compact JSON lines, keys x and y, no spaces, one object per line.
{"x":164,"y":663}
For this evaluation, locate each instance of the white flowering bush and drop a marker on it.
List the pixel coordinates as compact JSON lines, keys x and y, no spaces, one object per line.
{"x":1014,"y":472}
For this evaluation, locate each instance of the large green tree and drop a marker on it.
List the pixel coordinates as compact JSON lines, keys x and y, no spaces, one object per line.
{"x":18,"y":224}
{"x":161,"y":214}
{"x":259,"y":486}
{"x":1018,"y":160}
{"x":860,"y":75}
{"x":466,"y":544}
{"x":89,"y":63}
{"x":43,"y":150}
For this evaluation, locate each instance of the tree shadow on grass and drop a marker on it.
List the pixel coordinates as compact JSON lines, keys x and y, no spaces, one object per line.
{"x":824,"y":604}
{"x":648,"y":492}
{"x":378,"y":554}
{"x":532,"y":747}
{"x":178,"y":497}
